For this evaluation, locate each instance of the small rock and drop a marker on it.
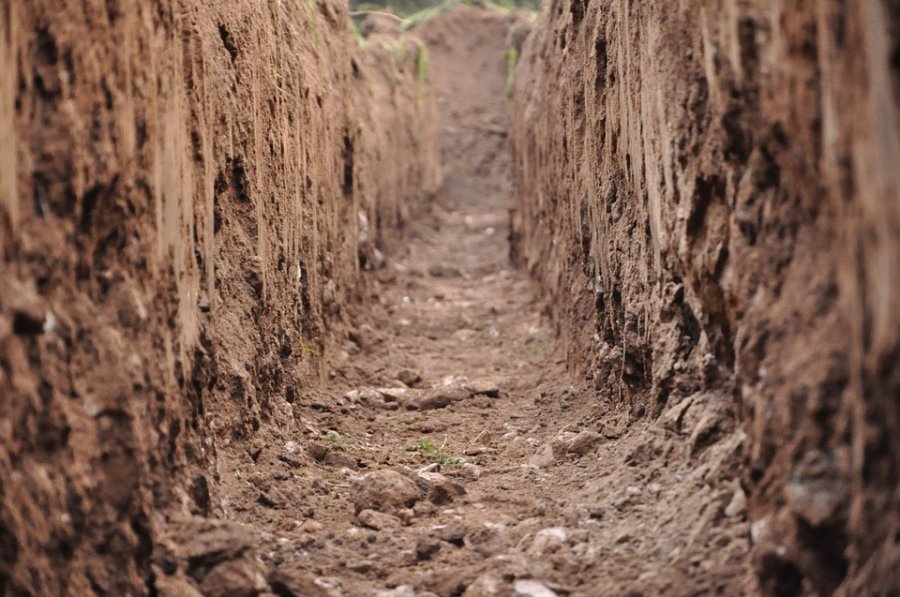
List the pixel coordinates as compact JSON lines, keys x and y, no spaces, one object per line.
{"x":426,"y":547}
{"x":471,"y":471}
{"x":532,"y":588}
{"x":544,"y":457}
{"x":442,"y":397}
{"x":237,"y":578}
{"x":487,"y":584}
{"x":378,"y":520}
{"x":488,"y":540}
{"x":738,"y":504}
{"x":401,"y":591}
{"x":384,"y":491}
{"x":432,"y":401}
{"x":440,"y":270}
{"x":311,"y":526}
{"x":483,"y":387}
{"x":174,"y":586}
{"x":339,"y":459}
{"x":293,"y":581}
{"x":392,"y":394}
{"x":451,"y":533}
{"x":409,"y":377}
{"x":582,"y":443}
{"x":548,"y":540}
{"x":441,"y":490}
{"x":360,"y":566}
{"x":424,"y":508}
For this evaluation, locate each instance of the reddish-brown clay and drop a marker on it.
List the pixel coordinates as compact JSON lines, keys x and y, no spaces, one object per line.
{"x":708,"y":190}
{"x":188,"y":191}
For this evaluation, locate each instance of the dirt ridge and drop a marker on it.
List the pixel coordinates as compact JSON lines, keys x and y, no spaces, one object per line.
{"x":189,"y":194}
{"x":708,"y":195}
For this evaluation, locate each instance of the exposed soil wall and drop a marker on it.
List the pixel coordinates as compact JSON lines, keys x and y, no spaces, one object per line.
{"x":709,"y":194}
{"x":187,"y":192}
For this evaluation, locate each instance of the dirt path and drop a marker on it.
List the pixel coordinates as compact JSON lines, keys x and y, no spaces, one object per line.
{"x":452,"y":453}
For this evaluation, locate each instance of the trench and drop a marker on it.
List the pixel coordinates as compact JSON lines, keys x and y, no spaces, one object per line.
{"x":593,"y":301}
{"x":452,"y":452}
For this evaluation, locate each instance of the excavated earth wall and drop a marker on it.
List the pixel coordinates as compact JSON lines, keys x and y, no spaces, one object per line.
{"x":187,"y":193}
{"x":709,"y":192}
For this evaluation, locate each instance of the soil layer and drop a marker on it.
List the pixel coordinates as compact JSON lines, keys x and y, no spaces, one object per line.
{"x":188,"y":194}
{"x":709,"y":195}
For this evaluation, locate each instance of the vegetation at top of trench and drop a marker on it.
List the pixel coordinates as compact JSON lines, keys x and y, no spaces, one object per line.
{"x":414,"y":12}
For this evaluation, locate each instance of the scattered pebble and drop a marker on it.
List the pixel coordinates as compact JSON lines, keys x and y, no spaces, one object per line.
{"x":384,"y":491}
{"x":409,"y":377}
{"x":532,"y":588}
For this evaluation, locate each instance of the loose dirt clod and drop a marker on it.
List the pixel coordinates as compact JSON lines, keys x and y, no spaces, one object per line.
{"x":384,"y":491}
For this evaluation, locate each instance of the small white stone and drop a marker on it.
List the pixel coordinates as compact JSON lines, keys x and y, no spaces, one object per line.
{"x":532,"y":588}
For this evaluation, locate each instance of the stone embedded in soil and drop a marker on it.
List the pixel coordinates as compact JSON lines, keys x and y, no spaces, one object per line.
{"x":293,"y":581}
{"x":364,"y":395}
{"x":401,"y":591}
{"x":451,"y":533}
{"x":441,"y":270}
{"x":441,"y":490}
{"x":532,"y":588}
{"x":488,"y":584}
{"x":544,"y":457}
{"x":235,"y":578}
{"x":394,"y":394}
{"x":378,"y":520}
{"x":426,"y":547}
{"x":582,"y":443}
{"x":384,"y":491}
{"x":488,"y":540}
{"x":738,"y":504}
{"x":173,"y":586}
{"x":471,"y":471}
{"x":548,"y":540}
{"x":409,"y":377}
{"x":483,"y":387}
{"x":339,"y":459}
{"x":440,"y":397}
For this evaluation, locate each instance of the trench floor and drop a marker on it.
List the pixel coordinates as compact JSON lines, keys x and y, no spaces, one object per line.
{"x":529,"y":481}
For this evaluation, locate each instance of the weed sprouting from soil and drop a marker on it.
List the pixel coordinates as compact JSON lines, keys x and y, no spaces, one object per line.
{"x":421,"y":75}
{"x":512,"y":60}
{"x":312,"y":13}
{"x":361,"y":41}
{"x":437,"y":454}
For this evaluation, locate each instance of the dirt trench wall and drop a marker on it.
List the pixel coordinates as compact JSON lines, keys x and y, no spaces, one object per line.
{"x":187,"y":191}
{"x":709,"y":192}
